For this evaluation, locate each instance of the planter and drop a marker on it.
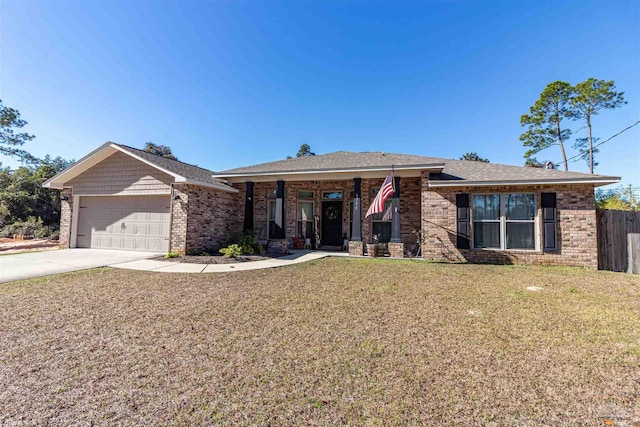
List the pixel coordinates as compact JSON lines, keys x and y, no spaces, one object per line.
{"x":372,"y":250}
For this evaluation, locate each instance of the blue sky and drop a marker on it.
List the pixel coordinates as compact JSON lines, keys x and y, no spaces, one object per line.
{"x":230,"y":83}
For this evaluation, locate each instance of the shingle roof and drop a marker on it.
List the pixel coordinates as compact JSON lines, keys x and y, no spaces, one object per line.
{"x":177,"y":167}
{"x":333,"y":161}
{"x":454,"y":170}
{"x":473,"y":171}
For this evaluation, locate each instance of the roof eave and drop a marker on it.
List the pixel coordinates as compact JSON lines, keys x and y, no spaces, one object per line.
{"x":429,"y":167}
{"x":145,"y":161}
{"x":221,"y":186}
{"x":55,"y":181}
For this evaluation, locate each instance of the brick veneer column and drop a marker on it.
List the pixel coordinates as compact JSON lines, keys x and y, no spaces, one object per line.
{"x":356,"y":248}
{"x":178,"y":234}
{"x":66,"y":215}
{"x":396,"y":250}
{"x":356,"y":235}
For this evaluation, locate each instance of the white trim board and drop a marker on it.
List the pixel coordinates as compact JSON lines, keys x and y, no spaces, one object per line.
{"x":462,"y":183}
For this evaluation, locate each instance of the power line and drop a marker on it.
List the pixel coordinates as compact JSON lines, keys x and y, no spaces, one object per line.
{"x":576,"y":131}
{"x":579,"y":156}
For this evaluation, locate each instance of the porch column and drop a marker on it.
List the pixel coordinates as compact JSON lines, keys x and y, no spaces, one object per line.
{"x":248,"y":207}
{"x":356,"y":233}
{"x":395,"y":214}
{"x":279,"y":231}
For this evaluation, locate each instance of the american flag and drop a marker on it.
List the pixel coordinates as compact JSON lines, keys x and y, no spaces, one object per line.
{"x":386,"y":190}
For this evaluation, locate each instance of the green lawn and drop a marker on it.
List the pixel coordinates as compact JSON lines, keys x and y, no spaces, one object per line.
{"x":331,"y":342}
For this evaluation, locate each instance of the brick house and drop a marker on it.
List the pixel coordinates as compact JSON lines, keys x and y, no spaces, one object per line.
{"x":124,"y":198}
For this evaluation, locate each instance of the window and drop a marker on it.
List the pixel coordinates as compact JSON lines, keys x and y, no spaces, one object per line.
{"x":486,"y":221}
{"x":272,"y":219}
{"x":272,"y":214}
{"x":381,"y":222}
{"x":305,"y":194}
{"x":332,"y":195}
{"x":305,"y":219}
{"x":504,"y":221}
{"x":520,"y":213}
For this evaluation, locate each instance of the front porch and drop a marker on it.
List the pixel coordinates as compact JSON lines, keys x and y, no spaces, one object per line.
{"x":329,"y":214}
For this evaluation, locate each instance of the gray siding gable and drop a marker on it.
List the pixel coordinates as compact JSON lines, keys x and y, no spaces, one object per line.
{"x":120,"y":174}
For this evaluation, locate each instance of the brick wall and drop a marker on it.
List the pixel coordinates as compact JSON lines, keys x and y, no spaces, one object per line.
{"x":179,"y":219}
{"x":203,"y":218}
{"x":576,"y":227}
{"x":66,"y":214}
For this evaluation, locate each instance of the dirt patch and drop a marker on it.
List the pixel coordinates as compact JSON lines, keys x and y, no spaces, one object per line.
{"x":328,"y":342}
{"x":13,"y":246}
{"x":219,"y":259}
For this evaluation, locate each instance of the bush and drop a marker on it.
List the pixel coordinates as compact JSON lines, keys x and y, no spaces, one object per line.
{"x":172,"y":255}
{"x":231,"y":251}
{"x":32,"y":227}
{"x":248,"y":242}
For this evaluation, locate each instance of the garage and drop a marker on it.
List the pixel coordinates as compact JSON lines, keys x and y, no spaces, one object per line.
{"x":124,"y":222}
{"x":123,"y":198}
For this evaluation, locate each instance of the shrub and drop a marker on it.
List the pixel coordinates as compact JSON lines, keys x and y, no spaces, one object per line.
{"x":231,"y":251}
{"x":172,"y":255}
{"x":32,"y":227}
{"x":248,"y":242}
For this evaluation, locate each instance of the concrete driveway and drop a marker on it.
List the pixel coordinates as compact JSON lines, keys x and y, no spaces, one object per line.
{"x":36,"y":264}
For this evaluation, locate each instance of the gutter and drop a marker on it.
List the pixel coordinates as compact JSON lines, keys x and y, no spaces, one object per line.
{"x":436,"y":166}
{"x":463,"y":183}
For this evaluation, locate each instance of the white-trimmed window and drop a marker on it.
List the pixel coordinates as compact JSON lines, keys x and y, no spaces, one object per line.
{"x":504,"y":221}
{"x":272,"y":213}
{"x":305,"y":214}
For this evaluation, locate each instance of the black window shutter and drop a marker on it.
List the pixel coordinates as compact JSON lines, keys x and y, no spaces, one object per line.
{"x":462,"y":221}
{"x":549,"y":222}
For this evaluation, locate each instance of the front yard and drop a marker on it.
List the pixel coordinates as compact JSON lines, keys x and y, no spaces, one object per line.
{"x":337,"y":341}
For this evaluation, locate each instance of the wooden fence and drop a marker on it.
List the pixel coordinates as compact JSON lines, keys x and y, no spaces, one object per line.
{"x":618,"y":240}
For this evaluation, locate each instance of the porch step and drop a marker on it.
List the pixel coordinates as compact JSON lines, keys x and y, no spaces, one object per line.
{"x":331,"y":248}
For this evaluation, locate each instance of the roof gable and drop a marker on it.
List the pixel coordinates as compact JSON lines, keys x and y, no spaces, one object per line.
{"x":180,"y":171}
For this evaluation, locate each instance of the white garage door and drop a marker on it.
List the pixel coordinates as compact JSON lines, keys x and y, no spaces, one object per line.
{"x":124,"y":222}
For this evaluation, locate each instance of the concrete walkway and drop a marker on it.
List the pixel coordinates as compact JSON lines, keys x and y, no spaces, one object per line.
{"x":36,"y":264}
{"x":296,"y":257}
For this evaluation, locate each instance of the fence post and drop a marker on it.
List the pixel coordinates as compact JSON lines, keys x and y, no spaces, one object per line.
{"x":633,"y":251}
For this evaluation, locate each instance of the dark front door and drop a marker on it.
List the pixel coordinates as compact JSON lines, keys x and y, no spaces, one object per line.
{"x":332,"y":223}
